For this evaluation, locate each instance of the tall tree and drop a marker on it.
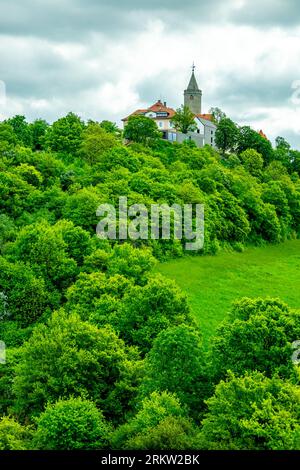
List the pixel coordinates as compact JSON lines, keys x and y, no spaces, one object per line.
{"x":283,"y":152}
{"x":161,"y":423}
{"x":226,"y":135}
{"x":21,"y":129}
{"x":183,"y":120}
{"x":176,"y":363}
{"x":96,"y":141}
{"x":217,"y":114}
{"x":65,"y":134}
{"x":71,"y":424}
{"x":260,"y":333}
{"x":250,"y":139}
{"x":254,"y":413}
{"x":141,"y":129}
{"x":38,"y":129}
{"x":68,"y":357}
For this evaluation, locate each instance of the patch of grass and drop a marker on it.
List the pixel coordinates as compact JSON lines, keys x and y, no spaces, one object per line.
{"x":214,"y":282}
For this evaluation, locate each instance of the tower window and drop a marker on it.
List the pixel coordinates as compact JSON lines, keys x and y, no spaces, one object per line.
{"x":191,"y":97}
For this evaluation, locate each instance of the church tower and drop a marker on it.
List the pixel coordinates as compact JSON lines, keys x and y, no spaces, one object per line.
{"x":193,"y":95}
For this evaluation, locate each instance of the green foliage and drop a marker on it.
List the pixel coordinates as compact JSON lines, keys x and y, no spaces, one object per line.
{"x":38,"y":130}
{"x":254,"y":413}
{"x":7,"y":138}
{"x":176,"y":363}
{"x":95,"y":297}
{"x":68,"y":357}
{"x":21,"y":130}
{"x":7,"y":230}
{"x":226,"y":135}
{"x":97,"y":261}
{"x":45,"y":249}
{"x":110,"y":309}
{"x":170,"y":433}
{"x":250,"y":139}
{"x":183,"y":120}
{"x":131,"y":262}
{"x":14,"y":193}
{"x":137,"y":312}
{"x":7,"y":376}
{"x":149,"y":309}
{"x":217,"y":114}
{"x":161,"y":423}
{"x":120,"y":157}
{"x":30,"y":174}
{"x":252,"y":161}
{"x":65,"y":134}
{"x":81,"y":208}
{"x":260,"y":333}
{"x":141,"y":129}
{"x":109,"y":126}
{"x":73,"y":424}
{"x":96,"y":141}
{"x":13,"y":436}
{"x":78,"y":241}
{"x":25,"y":293}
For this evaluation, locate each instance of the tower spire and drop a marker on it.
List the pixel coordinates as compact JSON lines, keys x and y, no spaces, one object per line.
{"x":193,"y":85}
{"x":193,"y":94}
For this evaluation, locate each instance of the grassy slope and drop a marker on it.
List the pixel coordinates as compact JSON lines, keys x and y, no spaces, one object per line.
{"x":213,"y":282}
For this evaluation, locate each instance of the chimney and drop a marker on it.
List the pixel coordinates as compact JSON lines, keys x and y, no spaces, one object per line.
{"x":165,"y":103}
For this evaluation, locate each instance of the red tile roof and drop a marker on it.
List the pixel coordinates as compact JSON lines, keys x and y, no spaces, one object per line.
{"x":208,"y":117}
{"x":157,"y":107}
{"x":262,"y":134}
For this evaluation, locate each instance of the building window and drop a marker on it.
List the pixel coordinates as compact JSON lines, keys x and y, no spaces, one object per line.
{"x":160,"y":124}
{"x":212,"y":140}
{"x":172,"y":136}
{"x":211,"y":132}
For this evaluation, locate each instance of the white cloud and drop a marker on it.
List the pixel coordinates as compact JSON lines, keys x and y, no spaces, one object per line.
{"x":246,"y":70}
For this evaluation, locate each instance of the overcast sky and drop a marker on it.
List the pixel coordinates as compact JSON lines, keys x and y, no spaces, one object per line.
{"x":103,"y":59}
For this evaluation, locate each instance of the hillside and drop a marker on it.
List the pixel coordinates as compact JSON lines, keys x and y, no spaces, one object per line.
{"x":98,"y":340}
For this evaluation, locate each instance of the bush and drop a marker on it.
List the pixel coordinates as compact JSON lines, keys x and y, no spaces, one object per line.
{"x":260,"y":333}
{"x":254,"y":413}
{"x":176,"y":363}
{"x":13,"y":436}
{"x":70,"y":357}
{"x":71,"y":424}
{"x":161,"y":423}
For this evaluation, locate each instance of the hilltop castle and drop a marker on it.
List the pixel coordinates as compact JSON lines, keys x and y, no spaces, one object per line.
{"x":162,"y":115}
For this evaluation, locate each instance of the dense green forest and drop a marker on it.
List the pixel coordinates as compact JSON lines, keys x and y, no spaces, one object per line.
{"x":102,"y":351}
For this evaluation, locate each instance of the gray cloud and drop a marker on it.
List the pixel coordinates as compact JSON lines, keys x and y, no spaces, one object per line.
{"x":292,"y":138}
{"x":74,"y":19}
{"x":106,"y":57}
{"x":268,"y":13}
{"x":256,"y":91}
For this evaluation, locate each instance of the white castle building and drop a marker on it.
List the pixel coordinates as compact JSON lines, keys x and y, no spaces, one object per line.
{"x":162,"y":115}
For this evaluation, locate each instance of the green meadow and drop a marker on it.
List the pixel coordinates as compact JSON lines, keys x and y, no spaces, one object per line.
{"x":212,"y":283}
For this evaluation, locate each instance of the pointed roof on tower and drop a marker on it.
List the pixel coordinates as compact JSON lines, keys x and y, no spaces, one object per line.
{"x":193,"y":85}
